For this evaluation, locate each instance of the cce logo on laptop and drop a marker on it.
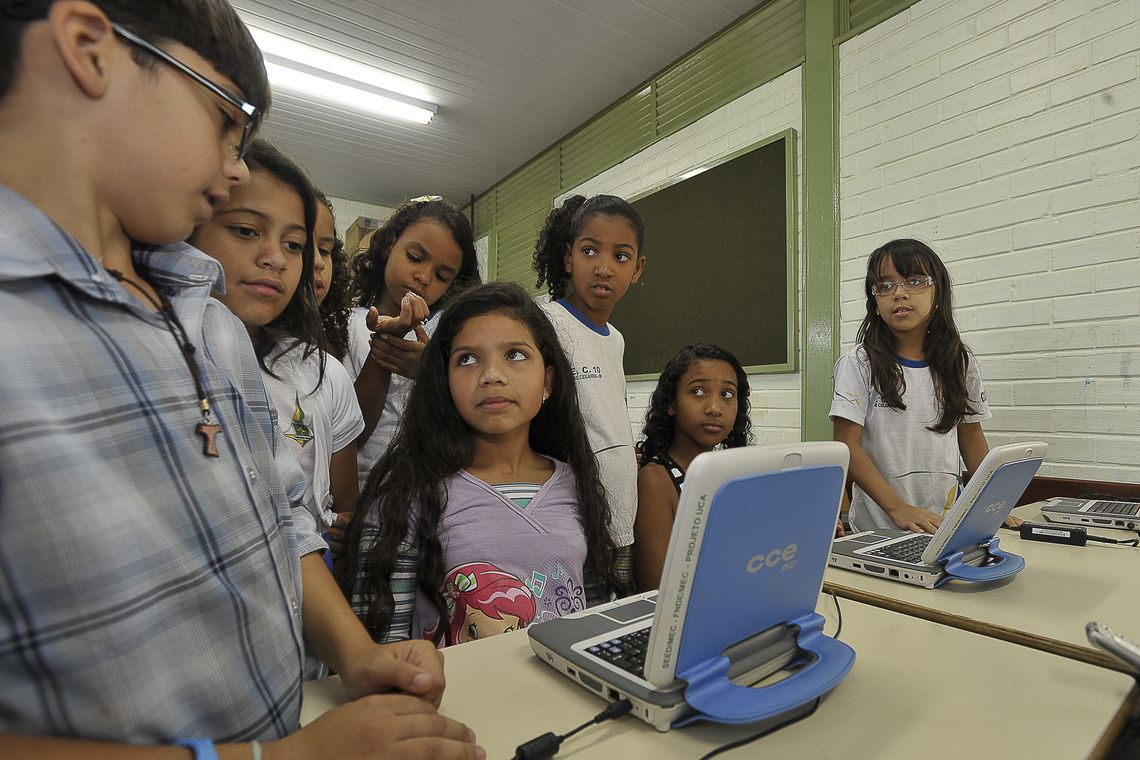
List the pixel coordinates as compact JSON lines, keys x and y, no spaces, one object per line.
{"x":787,"y":556}
{"x":996,"y":506}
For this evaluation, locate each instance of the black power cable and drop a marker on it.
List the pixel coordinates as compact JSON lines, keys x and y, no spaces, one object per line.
{"x":547,"y":745}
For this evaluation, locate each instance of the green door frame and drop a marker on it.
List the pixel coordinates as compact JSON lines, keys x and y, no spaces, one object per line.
{"x":821,"y":218}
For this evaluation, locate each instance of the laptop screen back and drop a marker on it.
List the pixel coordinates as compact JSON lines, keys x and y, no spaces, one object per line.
{"x":764,"y":551}
{"x":995,"y":501}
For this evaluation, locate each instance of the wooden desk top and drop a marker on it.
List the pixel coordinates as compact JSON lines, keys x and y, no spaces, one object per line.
{"x":917,"y":690}
{"x":1045,"y":606}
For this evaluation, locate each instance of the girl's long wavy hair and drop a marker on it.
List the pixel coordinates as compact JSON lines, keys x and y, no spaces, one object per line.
{"x":408,"y":484}
{"x":660,"y":426}
{"x":337,"y":306}
{"x":368,"y":267}
{"x":298,"y":327}
{"x":562,"y":228}
{"x":945,"y":352}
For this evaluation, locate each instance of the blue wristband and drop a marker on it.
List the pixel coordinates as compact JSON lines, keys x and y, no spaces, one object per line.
{"x":203,"y":748}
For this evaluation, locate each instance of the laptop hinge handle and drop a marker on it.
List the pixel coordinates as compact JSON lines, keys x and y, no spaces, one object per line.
{"x":713,"y":696}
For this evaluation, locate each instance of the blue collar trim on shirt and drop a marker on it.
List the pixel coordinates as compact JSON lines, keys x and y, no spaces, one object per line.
{"x":912,"y":363}
{"x":605,"y":331}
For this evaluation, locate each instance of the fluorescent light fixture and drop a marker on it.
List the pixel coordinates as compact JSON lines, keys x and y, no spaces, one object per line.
{"x":693,"y":172}
{"x":327,"y":89}
{"x":295,"y":66}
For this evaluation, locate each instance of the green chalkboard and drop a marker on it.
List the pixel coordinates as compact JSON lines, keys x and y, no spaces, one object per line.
{"x":720,"y":250}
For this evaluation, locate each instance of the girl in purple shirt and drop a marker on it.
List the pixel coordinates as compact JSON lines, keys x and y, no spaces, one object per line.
{"x":487,"y":512}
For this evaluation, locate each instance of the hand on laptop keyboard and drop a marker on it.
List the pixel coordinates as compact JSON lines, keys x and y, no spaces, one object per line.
{"x":916,"y":520}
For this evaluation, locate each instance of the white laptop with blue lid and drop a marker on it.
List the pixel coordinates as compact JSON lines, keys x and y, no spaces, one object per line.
{"x":1120,"y":514}
{"x":742,"y":574}
{"x":964,"y":546}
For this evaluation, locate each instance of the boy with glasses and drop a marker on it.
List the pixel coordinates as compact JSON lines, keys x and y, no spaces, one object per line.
{"x":152,"y":561}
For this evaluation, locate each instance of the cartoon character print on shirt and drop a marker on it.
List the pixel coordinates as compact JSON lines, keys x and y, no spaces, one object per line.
{"x":483,"y":600}
{"x":556,"y":591}
{"x":300,"y":430}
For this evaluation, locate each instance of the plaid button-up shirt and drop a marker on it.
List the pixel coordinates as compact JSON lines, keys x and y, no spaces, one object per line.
{"x":147,"y":592}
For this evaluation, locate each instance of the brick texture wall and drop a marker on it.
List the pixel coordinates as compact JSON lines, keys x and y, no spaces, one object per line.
{"x":1007,"y":135}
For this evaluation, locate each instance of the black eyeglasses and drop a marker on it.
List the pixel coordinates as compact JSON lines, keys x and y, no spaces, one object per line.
{"x":252,"y":116}
{"x":910,"y":284}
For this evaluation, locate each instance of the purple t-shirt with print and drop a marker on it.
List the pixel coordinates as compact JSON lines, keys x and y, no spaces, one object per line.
{"x":507,"y":566}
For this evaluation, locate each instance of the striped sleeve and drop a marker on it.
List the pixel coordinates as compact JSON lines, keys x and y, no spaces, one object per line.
{"x":403,"y":585}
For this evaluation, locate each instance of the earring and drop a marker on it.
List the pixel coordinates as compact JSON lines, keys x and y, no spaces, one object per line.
{"x":545,"y":396}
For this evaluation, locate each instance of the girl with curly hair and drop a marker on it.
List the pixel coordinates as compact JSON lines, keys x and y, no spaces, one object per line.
{"x":264,"y":238}
{"x":421,"y":255}
{"x":491,"y":465}
{"x":330,"y":280}
{"x":589,"y":254}
{"x":700,"y":403}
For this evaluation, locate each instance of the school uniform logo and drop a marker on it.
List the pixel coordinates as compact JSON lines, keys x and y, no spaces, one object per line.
{"x":587,"y":373}
{"x":300,"y":430}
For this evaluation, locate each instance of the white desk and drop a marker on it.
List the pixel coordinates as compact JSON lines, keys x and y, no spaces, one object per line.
{"x":1045,"y":606}
{"x":918,"y":689}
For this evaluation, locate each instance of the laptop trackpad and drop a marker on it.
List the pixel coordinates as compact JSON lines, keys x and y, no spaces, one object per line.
{"x":626,"y":613}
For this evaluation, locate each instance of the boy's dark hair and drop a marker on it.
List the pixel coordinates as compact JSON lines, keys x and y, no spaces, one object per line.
{"x":657,"y":435}
{"x":433,"y":443}
{"x":368,"y":267}
{"x":211,"y":28}
{"x":947,"y":356}
{"x":299,"y":325}
{"x":562,"y":228}
{"x":337,"y":306}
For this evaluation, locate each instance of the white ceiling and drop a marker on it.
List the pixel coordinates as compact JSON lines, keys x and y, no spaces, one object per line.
{"x":510,"y":78}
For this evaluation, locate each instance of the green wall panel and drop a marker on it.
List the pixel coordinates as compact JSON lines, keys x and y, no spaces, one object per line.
{"x":758,"y":49}
{"x":858,"y":15}
{"x":514,"y":249}
{"x":485,"y":214}
{"x":608,"y":139}
{"x":530,"y":188}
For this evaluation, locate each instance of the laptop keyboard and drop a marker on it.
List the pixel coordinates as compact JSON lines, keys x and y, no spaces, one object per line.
{"x":1116,"y":508}
{"x":626,"y":652}
{"x":909,"y":550}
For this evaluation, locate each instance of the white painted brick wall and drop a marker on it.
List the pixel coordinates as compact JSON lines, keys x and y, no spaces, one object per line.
{"x":769,"y":109}
{"x":1007,"y":135}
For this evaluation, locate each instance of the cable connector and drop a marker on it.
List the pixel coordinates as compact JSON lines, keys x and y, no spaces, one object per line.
{"x":1074,"y":535}
{"x":548,"y":744}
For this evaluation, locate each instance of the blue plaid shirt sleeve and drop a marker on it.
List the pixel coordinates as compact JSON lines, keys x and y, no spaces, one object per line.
{"x":147,"y":592}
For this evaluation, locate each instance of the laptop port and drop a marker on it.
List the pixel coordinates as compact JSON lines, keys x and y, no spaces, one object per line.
{"x":894,"y":573}
{"x":875,"y":569}
{"x":590,"y":683}
{"x":612,"y":694}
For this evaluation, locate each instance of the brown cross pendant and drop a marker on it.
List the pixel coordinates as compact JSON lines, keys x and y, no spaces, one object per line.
{"x":209,"y":431}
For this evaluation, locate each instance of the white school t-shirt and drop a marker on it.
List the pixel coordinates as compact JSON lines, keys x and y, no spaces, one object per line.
{"x":314,"y":424}
{"x":359,"y":340}
{"x":921,"y":466}
{"x":597,"y":356}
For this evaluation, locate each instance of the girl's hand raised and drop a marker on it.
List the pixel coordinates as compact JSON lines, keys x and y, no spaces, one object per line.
{"x":414,"y":311}
{"x":389,"y":349}
{"x":397,"y":355}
